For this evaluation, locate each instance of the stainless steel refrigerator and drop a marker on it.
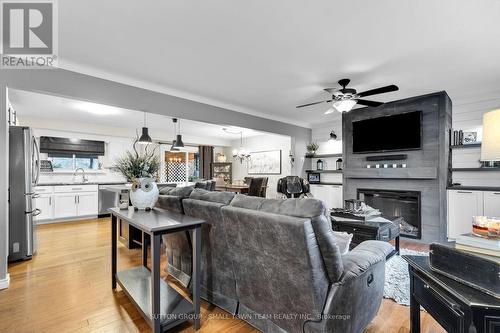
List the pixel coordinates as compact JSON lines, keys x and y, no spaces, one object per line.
{"x":24,"y":172}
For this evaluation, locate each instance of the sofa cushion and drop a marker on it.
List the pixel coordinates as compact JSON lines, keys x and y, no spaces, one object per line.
{"x":217,"y":197}
{"x":182,"y":192}
{"x":306,"y":207}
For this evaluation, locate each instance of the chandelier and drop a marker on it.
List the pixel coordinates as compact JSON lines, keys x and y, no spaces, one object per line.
{"x":241,"y":153}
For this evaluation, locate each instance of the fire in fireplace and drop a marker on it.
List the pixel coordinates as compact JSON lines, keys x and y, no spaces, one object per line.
{"x":393,"y":204}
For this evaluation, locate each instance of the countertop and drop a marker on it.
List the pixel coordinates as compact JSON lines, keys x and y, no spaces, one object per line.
{"x":87,"y":183}
{"x":474,"y":188}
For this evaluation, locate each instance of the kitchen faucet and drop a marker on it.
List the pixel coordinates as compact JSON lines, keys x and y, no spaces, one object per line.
{"x":84,"y":178}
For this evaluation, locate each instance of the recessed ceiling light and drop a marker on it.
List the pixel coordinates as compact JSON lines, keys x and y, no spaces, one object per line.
{"x":98,"y":109}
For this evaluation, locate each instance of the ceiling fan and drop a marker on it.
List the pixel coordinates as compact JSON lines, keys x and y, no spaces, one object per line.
{"x":346,"y":98}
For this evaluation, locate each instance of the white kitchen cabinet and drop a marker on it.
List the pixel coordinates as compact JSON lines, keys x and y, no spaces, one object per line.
{"x":87,"y":203}
{"x":492,"y":204}
{"x":45,"y":204}
{"x":331,"y":195}
{"x":73,"y":201}
{"x":462,"y":206}
{"x":65,"y":205}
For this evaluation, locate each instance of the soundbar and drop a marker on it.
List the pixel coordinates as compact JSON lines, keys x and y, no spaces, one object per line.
{"x":387,"y":157}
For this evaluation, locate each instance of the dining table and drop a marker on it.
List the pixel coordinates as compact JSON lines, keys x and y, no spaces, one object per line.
{"x":241,"y":189}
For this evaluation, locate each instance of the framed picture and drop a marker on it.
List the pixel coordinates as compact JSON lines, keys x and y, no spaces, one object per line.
{"x":470,"y":138}
{"x":265,"y":163}
{"x":313,"y":177}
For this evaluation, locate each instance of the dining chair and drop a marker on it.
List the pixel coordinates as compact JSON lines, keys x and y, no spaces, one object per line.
{"x":255,"y":187}
{"x":263,"y":189}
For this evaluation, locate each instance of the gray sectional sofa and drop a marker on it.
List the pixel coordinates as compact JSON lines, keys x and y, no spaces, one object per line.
{"x":277,"y":265}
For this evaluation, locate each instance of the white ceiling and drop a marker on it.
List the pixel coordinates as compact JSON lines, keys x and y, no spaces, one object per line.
{"x":265,"y":57}
{"x":52,"y":112}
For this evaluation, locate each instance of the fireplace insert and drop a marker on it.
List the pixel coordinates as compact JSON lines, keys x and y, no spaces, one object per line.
{"x":392,"y":204}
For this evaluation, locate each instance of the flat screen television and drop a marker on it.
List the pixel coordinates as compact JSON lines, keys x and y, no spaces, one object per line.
{"x":389,"y":133}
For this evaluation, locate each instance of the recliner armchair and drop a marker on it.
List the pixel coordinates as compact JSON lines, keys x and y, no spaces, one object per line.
{"x":293,"y":187}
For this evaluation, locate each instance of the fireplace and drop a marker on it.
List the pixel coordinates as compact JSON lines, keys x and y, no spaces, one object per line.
{"x":392,"y":204}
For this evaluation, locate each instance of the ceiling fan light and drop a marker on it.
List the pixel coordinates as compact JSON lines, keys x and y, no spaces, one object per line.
{"x":344,"y":105}
{"x":145,"y":138}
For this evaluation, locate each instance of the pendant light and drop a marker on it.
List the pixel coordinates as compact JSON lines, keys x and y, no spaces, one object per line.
{"x":173,"y":148}
{"x":145,"y":138}
{"x":333,"y":136}
{"x":178,"y":140}
{"x":241,"y":152}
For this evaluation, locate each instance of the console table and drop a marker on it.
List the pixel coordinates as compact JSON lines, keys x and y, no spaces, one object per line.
{"x":378,"y":228}
{"x":161,"y":306}
{"x":455,"y":306}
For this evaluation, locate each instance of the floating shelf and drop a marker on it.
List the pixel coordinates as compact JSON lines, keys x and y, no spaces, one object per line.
{"x":325,"y":171}
{"x":392,"y":173}
{"x":472,"y":145}
{"x":476,"y":169}
{"x":325,"y":155}
{"x":326,"y":183}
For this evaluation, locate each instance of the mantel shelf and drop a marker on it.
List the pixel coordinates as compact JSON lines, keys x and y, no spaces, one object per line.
{"x":392,"y":173}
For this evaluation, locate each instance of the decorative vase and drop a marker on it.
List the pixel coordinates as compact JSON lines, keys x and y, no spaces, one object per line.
{"x":144,"y":193}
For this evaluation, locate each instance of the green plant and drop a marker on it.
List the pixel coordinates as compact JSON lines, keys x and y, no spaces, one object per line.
{"x":313,"y":146}
{"x":144,"y":164}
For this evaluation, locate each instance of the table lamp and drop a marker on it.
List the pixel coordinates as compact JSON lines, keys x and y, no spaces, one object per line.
{"x":490,"y":147}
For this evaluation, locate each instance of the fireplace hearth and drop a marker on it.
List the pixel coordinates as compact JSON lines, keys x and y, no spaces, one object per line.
{"x":393,"y":204}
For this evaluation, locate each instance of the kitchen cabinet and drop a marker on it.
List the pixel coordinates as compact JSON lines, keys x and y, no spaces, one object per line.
{"x":66,"y":202}
{"x":65,"y":205}
{"x":45,"y":204}
{"x":331,"y":195}
{"x":492,"y":204}
{"x":87,"y":203}
{"x":462,"y":206}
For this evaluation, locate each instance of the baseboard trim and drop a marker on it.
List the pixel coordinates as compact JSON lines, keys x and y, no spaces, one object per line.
{"x":4,"y":283}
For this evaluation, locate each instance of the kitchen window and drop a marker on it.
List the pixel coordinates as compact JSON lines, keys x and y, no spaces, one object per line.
{"x":73,"y":161}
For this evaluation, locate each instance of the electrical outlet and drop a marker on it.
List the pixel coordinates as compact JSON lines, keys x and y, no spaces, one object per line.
{"x":15,"y":247}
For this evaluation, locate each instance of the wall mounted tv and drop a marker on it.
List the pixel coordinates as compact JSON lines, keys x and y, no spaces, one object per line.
{"x":389,"y":133}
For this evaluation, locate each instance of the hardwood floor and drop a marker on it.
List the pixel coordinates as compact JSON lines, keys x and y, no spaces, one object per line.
{"x":66,"y":287}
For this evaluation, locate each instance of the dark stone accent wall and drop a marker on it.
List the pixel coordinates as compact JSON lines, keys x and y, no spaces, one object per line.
{"x":428,"y":169}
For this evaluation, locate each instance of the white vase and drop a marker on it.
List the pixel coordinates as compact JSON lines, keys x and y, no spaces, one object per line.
{"x":144,"y":193}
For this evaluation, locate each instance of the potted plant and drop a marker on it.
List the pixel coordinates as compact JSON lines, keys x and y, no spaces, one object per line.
{"x":311,"y":149}
{"x":141,"y":168}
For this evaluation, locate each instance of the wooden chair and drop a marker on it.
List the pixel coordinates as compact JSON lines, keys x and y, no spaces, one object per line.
{"x":263,"y":190}
{"x":255,"y":187}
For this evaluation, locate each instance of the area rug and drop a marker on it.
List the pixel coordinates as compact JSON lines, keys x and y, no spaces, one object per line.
{"x":397,"y":279}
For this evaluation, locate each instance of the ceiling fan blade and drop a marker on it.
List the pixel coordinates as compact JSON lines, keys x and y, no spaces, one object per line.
{"x":380,"y":90}
{"x":309,"y":104}
{"x":369,"y":103}
{"x":330,"y":90}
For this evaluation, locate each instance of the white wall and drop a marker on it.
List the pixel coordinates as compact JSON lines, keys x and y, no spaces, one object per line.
{"x":468,"y":116}
{"x":262,"y":142}
{"x":115,"y":147}
{"x":321,"y":135}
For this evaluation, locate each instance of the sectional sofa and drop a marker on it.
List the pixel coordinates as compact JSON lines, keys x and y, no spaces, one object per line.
{"x":275,"y":263}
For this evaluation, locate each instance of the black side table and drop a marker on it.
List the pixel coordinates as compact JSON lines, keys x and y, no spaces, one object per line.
{"x":160,"y":305}
{"x":378,"y":228}
{"x":455,"y":306}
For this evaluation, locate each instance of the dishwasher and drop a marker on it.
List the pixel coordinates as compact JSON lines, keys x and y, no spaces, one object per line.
{"x":107,"y":199}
